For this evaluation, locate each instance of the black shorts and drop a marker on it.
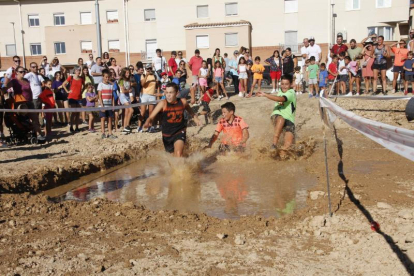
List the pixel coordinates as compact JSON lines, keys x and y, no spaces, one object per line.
{"x":61,"y":96}
{"x":379,"y":66}
{"x":344,"y":78}
{"x":288,"y":126}
{"x":205,"y":106}
{"x":75,"y":103}
{"x":106,"y":114}
{"x":84,"y":102}
{"x":398,"y":69}
{"x":170,"y":140}
{"x":409,"y":78}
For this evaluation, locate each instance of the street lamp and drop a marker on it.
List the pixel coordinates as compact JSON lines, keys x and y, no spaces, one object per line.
{"x":98,"y":29}
{"x":21,"y":31}
{"x":14,"y":35}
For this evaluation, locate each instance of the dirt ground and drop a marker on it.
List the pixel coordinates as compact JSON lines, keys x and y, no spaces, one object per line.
{"x":368,"y":183}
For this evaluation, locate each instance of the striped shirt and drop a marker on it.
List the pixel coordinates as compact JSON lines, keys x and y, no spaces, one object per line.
{"x":106,"y":92}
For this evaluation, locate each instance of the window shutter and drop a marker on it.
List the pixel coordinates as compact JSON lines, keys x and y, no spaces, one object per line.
{"x":231,"y":40}
{"x":86,"y":45}
{"x":291,"y":41}
{"x":112,"y":15}
{"x":231,"y":9}
{"x":11,"y":50}
{"x":202,"y":11}
{"x":202,"y":41}
{"x":291,"y":6}
{"x":149,"y":15}
{"x":114,"y":44}
{"x":387,"y":3}
{"x":151,"y":47}
{"x":86,"y":18}
{"x":348,"y":5}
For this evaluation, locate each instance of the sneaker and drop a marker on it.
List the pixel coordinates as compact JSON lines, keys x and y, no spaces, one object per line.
{"x":297,"y":93}
{"x":273,"y":91}
{"x":77,"y":130}
{"x":406,"y":92}
{"x":139,"y":130}
{"x":84,"y":122}
{"x":41,"y":138}
{"x":112,"y":136}
{"x":103,"y":136}
{"x":358,"y":94}
{"x":393,"y":91}
{"x":228,"y":98}
{"x":219,"y":99}
{"x":126,"y":130}
{"x":310,"y":96}
{"x":91,"y":130}
{"x":349,"y":94}
{"x":240,"y":94}
{"x":151,"y":130}
{"x":71,"y":130}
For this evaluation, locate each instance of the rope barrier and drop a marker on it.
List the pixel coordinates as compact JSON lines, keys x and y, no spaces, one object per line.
{"x":78,"y":109}
{"x":375,"y":98}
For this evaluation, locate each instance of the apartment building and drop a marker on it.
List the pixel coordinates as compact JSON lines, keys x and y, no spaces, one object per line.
{"x":67,"y":28}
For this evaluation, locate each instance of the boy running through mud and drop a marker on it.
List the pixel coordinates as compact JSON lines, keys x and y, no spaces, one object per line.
{"x":283,"y":115}
{"x":172,"y":120}
{"x":235,"y":130}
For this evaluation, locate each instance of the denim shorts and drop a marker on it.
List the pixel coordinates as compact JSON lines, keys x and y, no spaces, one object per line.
{"x":75,"y":102}
{"x":145,"y":98}
{"x":124,"y":98}
{"x":218,"y":79}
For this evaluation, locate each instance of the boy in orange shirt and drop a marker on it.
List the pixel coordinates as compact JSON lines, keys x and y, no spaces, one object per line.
{"x":258,"y":70}
{"x":46,"y":97}
{"x":236,"y":131}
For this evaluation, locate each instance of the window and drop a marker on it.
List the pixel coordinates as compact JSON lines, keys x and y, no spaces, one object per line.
{"x":231,"y":40}
{"x":384,"y":3}
{"x":113,"y":46}
{"x":10,"y":50}
{"x":59,"y":19}
{"x":151,"y":47}
{"x":231,"y":9}
{"x":387,"y":32}
{"x":86,"y":18}
{"x":86,"y":46}
{"x":112,"y":16}
{"x":202,"y":11}
{"x":291,"y":6}
{"x":149,"y":15}
{"x":351,"y":5}
{"x":291,"y":40}
{"x":60,"y":48}
{"x":36,"y":49}
{"x":202,"y":41}
{"x":34,"y":20}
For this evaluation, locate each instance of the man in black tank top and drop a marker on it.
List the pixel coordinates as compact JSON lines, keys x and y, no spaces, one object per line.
{"x":172,"y":120}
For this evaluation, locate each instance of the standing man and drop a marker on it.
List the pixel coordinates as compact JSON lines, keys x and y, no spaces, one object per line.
{"x":339,"y":47}
{"x":314,"y":50}
{"x":159,"y":64}
{"x":195,"y":64}
{"x":180,"y":58}
{"x":96,"y":72}
{"x":11,"y":72}
{"x":172,"y":65}
{"x":371,"y":38}
{"x":90,"y":63}
{"x":304,"y":52}
{"x":354,"y":52}
{"x":227,"y":70}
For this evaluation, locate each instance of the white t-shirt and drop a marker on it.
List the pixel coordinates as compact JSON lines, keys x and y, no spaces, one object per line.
{"x":11,"y":73}
{"x":53,"y":71}
{"x":203,"y":72}
{"x":159,"y":63}
{"x":304,"y":51}
{"x":341,"y":63}
{"x":90,"y":63}
{"x":35,"y":84}
{"x":314,"y":51}
{"x":177,"y":60}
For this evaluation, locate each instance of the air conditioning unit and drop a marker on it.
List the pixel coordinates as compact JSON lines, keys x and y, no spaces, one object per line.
{"x":345,"y":36}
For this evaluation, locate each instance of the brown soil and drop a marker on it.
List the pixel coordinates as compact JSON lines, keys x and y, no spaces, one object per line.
{"x":368,"y":183}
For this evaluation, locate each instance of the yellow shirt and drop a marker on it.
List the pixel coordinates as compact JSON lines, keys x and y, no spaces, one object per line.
{"x":260,"y":68}
{"x":150,"y":86}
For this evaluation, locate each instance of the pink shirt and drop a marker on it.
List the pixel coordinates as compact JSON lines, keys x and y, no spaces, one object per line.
{"x":218,"y":72}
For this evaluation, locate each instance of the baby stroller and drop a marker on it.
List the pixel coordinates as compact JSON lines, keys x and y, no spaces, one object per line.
{"x":19,"y":124}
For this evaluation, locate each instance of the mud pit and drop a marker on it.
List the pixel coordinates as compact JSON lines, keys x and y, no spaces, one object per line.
{"x":223,"y":186}
{"x":39,"y":237}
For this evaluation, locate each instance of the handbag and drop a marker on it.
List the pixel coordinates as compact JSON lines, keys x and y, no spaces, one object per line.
{"x":365,"y":63}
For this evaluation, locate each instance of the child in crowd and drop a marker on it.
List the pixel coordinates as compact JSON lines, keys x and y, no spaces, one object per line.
{"x":409,"y":73}
{"x":313,"y":72}
{"x":353,"y":69}
{"x":164,"y":81}
{"x":258,"y":70}
{"x":249,"y":75}
{"x":235,"y":130}
{"x":305,"y":77}
{"x":203,"y":75}
{"x":91,"y":98}
{"x":242,"y":70}
{"x":46,"y":97}
{"x":219,"y":78}
{"x":172,"y":119}
{"x":323,"y":76}
{"x":205,"y":103}
{"x":298,"y":80}
{"x":283,"y":115}
{"x":343,"y":73}
{"x":106,"y":99}
{"x":333,"y":74}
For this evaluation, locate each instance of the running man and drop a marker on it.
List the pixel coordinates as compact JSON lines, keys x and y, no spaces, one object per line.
{"x":172,"y":120}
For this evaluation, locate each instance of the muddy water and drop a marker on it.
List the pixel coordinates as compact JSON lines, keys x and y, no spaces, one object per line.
{"x":223,"y":186}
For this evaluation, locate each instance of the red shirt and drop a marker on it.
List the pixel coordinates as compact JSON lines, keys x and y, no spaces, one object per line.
{"x":195,"y":63}
{"x":173,"y":65}
{"x":334,"y":69}
{"x":337,"y":49}
{"x":206,"y":98}
{"x":76,"y":88}
{"x":233,"y":133}
{"x":47,"y":98}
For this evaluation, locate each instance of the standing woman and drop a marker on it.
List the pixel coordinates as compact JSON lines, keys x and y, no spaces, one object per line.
{"x":210,"y":69}
{"x":106,"y":60}
{"x":218,"y":57}
{"x":54,"y":67}
{"x":400,"y":57}
{"x":367,"y":62}
{"x":233,"y":65}
{"x":184,"y":75}
{"x":75,"y":96}
{"x":44,"y":62}
{"x":275,"y":63}
{"x":87,"y":79}
{"x":381,"y":53}
{"x":61,"y":97}
{"x":241,"y":53}
{"x":116,"y":68}
{"x":124,"y":97}
{"x":115,"y":94}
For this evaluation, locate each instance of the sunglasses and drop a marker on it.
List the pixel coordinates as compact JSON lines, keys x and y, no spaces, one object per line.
{"x":16,"y":60}
{"x":130,"y":68}
{"x":33,"y":66}
{"x":21,"y":72}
